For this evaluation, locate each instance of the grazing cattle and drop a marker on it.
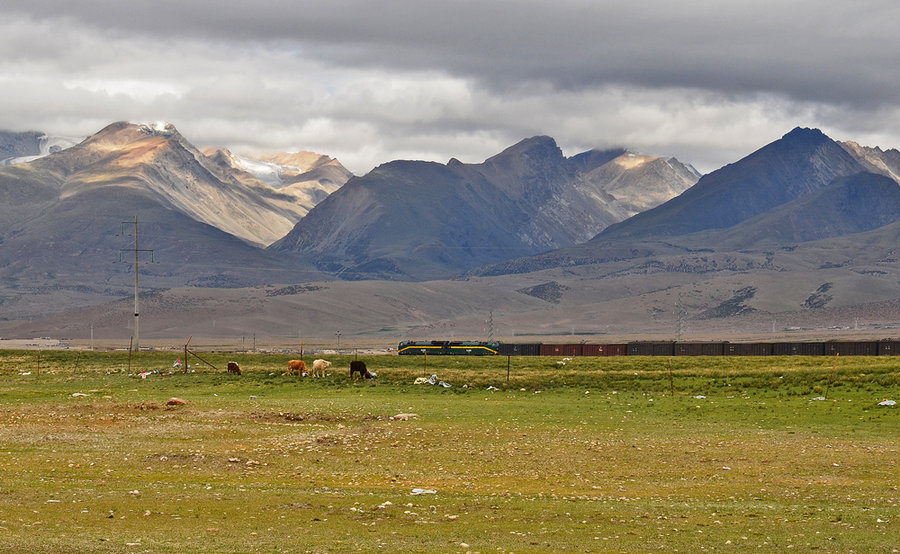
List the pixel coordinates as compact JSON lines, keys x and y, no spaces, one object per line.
{"x":233,"y":367}
{"x":357,"y":366}
{"x":319,"y":367}
{"x":296,"y":367}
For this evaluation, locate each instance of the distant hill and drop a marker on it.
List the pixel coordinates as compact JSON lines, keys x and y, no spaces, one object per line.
{"x":424,"y":220}
{"x":802,"y":187}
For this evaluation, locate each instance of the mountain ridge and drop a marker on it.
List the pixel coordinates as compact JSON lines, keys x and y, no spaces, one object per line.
{"x":425,"y":220}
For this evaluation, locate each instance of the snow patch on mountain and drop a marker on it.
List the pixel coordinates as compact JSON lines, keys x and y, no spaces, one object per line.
{"x":158,"y":128}
{"x":46,"y":145}
{"x":267,"y":172}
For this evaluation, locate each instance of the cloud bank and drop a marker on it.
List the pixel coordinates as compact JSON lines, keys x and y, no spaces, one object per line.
{"x":368,"y":82}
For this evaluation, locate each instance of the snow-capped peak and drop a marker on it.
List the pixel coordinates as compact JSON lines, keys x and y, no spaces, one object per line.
{"x":158,"y":128}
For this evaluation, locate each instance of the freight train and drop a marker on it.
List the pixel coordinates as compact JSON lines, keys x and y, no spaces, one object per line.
{"x":828,"y":348}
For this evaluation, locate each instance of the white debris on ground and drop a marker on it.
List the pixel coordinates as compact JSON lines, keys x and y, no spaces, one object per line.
{"x":423,"y":491}
{"x":887,"y":402}
{"x":433,"y":380}
{"x":404,"y":417}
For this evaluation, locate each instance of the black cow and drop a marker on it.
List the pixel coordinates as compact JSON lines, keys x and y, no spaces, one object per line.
{"x":357,"y":366}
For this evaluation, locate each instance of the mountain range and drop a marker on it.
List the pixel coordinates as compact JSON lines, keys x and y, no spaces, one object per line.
{"x":800,"y":188}
{"x":423,"y":220}
{"x":803,"y":229}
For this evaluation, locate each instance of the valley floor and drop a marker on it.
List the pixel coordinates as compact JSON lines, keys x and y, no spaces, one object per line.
{"x":597,"y":456}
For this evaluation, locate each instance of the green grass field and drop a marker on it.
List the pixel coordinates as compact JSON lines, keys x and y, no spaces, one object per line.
{"x":597,"y":455}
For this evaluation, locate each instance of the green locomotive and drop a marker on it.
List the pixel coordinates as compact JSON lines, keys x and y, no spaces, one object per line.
{"x":448,"y":348}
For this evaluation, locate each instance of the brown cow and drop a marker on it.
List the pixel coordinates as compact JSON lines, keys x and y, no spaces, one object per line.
{"x":233,"y":367}
{"x":297,"y":367}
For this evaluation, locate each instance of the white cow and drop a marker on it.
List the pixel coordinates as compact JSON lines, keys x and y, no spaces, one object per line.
{"x":319,"y":367}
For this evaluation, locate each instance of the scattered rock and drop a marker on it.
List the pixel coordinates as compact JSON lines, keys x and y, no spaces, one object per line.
{"x":175,"y":401}
{"x":404,"y":417}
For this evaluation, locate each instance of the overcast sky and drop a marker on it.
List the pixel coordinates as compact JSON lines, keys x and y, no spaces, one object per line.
{"x":372,"y":81}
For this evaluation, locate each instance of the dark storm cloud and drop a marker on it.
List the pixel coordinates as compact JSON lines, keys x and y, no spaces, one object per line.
{"x":808,"y":50}
{"x":374,"y":81}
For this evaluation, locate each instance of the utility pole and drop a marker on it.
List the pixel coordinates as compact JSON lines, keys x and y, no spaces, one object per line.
{"x":136,"y":317}
{"x":136,"y":250}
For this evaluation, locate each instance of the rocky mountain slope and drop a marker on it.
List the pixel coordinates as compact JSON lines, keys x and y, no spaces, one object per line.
{"x":62,"y":215}
{"x":158,"y":159}
{"x":303,"y":179}
{"x":802,"y":187}
{"x":424,"y":220}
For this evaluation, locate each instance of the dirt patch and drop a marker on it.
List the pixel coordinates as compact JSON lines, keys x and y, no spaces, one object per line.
{"x":293,"y":506}
{"x":142,"y":407}
{"x":313,"y":417}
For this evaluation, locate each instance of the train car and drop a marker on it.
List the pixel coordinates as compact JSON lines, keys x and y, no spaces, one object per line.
{"x":747,"y":349}
{"x":865,"y":349}
{"x":888,"y":348}
{"x":448,"y":348}
{"x":604,"y":349}
{"x":798,"y":349}
{"x":698,"y":348}
{"x":651,"y":349}
{"x":561,"y":349}
{"x":520,"y":349}
{"x":851,"y":348}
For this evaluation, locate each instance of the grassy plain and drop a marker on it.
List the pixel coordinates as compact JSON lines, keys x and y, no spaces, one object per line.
{"x":593,"y":455}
